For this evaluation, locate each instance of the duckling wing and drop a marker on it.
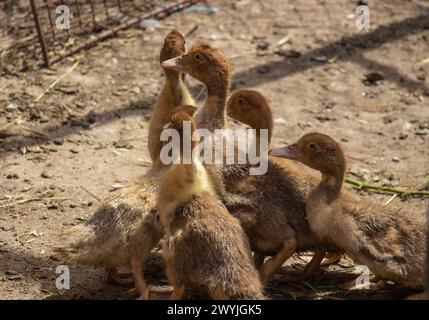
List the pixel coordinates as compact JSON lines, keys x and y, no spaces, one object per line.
{"x":104,"y":239}
{"x":391,"y":238}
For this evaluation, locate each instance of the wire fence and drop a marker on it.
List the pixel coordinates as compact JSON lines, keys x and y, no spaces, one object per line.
{"x":50,"y":30}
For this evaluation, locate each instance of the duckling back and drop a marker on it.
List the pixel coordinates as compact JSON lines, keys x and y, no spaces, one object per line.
{"x":207,"y":246}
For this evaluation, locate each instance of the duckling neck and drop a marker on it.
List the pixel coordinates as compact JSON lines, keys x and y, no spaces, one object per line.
{"x":172,"y":76}
{"x":258,"y":125}
{"x":173,"y":94}
{"x":267,"y":123}
{"x":212,"y":115}
{"x":174,"y":83}
{"x":318,"y":204}
{"x":321,"y":197}
{"x":329,"y":188}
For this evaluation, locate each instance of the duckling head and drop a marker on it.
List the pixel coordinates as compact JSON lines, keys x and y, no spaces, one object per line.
{"x":250,"y":107}
{"x":206,"y":64}
{"x":316,"y":150}
{"x":179,"y":118}
{"x":174,"y":45}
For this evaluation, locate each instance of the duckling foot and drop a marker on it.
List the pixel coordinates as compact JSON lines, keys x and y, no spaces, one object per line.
{"x":258,"y":260}
{"x":145,"y":295}
{"x":273,"y":264}
{"x":311,"y":268}
{"x":177,"y":293}
{"x":141,"y":286}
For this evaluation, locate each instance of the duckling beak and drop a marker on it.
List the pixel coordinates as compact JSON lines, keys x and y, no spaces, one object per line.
{"x":290,"y":152}
{"x":174,"y":64}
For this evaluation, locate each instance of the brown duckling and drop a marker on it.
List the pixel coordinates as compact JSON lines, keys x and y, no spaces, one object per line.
{"x":270,"y":207}
{"x":390,"y":241}
{"x":173,"y":94}
{"x":125,"y":228}
{"x":204,"y":245}
{"x":251,"y":108}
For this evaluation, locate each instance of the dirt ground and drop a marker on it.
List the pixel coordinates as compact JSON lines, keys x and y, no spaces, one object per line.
{"x":89,"y":133}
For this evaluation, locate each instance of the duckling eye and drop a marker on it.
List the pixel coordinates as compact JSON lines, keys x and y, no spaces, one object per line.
{"x":198,"y":57}
{"x":312,"y":146}
{"x":241,"y":101}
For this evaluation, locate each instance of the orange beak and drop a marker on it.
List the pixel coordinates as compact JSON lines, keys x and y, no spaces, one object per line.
{"x":290,"y":152}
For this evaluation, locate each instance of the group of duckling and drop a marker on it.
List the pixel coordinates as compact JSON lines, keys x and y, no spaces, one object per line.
{"x":210,"y":218}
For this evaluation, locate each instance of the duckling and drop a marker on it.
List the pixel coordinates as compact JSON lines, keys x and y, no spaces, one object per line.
{"x":390,"y":241}
{"x":204,"y":245}
{"x":173,"y":94}
{"x":125,"y":228}
{"x":251,"y":108}
{"x":121,"y":233}
{"x":270,"y":207}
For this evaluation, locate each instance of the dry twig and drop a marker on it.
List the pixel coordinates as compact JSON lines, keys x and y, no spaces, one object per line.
{"x":53,"y":84}
{"x":24,"y":199}
{"x":400,"y":191}
{"x":91,"y":194}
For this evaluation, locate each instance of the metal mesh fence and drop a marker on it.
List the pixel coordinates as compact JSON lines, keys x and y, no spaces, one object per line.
{"x":49,"y":30}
